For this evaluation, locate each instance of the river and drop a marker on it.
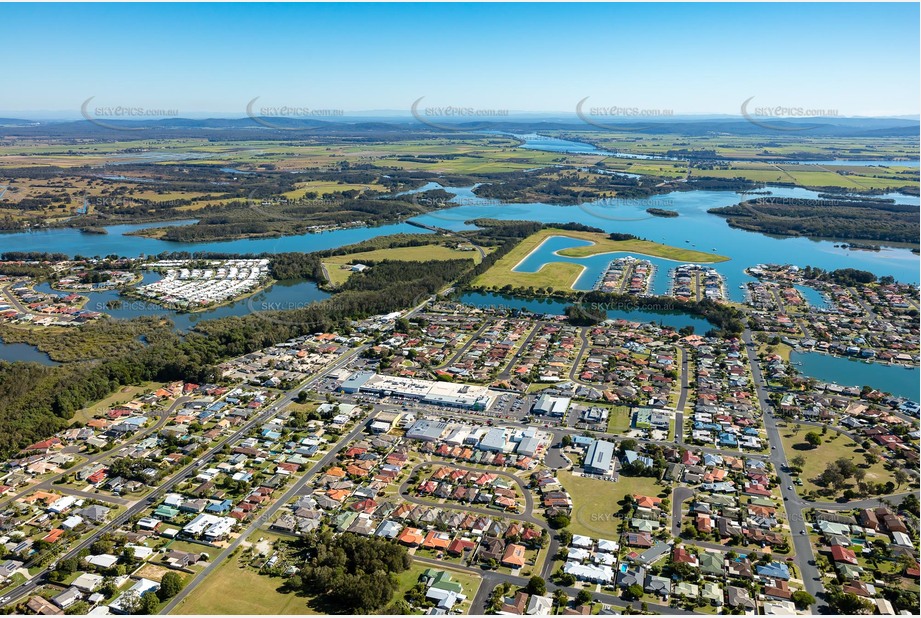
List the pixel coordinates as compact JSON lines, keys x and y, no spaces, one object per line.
{"x":695,"y":229}
{"x":23,"y":352}
{"x":896,"y":379}
{"x":550,"y":306}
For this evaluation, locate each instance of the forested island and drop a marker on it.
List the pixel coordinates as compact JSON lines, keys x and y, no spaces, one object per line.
{"x":839,"y":218}
{"x":661,"y":212}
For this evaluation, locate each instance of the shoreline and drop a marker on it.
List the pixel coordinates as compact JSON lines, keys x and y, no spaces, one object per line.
{"x":624,"y":251}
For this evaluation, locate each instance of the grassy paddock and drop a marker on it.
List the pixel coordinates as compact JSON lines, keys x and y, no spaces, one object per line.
{"x":595,"y":502}
{"x":339,"y":275}
{"x":818,"y":458}
{"x":233,"y":589}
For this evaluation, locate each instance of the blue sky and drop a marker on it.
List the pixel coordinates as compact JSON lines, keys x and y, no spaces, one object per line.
{"x":858,"y":59}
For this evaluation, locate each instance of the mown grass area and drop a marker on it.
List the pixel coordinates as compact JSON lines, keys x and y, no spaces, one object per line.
{"x":562,"y":275}
{"x":595,"y":502}
{"x":831,"y":449}
{"x":603,"y":244}
{"x":619,"y":419}
{"x":237,"y":589}
{"x":339,"y":274}
{"x":123,"y":395}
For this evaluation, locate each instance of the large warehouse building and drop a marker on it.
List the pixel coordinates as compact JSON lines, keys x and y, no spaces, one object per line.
{"x":551,"y":406}
{"x":465,"y":396}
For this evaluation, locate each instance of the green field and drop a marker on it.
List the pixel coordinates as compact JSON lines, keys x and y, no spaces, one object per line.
{"x":561,"y":276}
{"x":233,"y":589}
{"x":124,"y":395}
{"x":595,"y":502}
{"x":818,"y":458}
{"x":338,"y":275}
{"x":619,"y":419}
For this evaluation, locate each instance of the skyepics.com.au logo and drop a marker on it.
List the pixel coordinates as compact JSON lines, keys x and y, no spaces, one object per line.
{"x":450,"y":208}
{"x":123,"y":117}
{"x":288,"y":117}
{"x":623,"y":209}
{"x":783,"y":117}
{"x":766,"y":207}
{"x":114,"y":201}
{"x":283,"y":208}
{"x":455,"y":117}
{"x":619,"y":118}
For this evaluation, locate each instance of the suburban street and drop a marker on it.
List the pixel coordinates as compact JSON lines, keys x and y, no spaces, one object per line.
{"x":168,"y":484}
{"x":793,"y":504}
{"x":48,"y":483}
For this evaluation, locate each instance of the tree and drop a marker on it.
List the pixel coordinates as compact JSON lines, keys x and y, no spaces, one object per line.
{"x":814,"y":438}
{"x":848,"y":604}
{"x":565,"y":537}
{"x":900,"y":477}
{"x":566,"y":441}
{"x":798,"y":461}
{"x":584,"y":597}
{"x":802,"y":599}
{"x":633,"y":592}
{"x":149,"y":603}
{"x":560,"y":597}
{"x":130,"y":603}
{"x":537,"y":585}
{"x":170,"y":586}
{"x":559,"y":520}
{"x":910,"y":504}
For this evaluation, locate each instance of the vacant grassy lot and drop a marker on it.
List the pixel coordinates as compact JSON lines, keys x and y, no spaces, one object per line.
{"x":233,"y":589}
{"x":338,"y":275}
{"x":818,"y":458}
{"x":123,"y":395}
{"x":636,"y":247}
{"x":561,"y":275}
{"x":596,"y":502}
{"x":619,"y":419}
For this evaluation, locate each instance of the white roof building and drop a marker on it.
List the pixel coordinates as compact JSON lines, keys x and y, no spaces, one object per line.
{"x":103,"y":561}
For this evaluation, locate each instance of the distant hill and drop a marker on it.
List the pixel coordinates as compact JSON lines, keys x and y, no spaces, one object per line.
{"x":286,"y":128}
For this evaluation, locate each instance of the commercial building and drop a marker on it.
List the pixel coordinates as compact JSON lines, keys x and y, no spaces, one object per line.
{"x":427,"y":430}
{"x":598,"y":457}
{"x":547,"y":405}
{"x":465,"y":396}
{"x":649,"y":418}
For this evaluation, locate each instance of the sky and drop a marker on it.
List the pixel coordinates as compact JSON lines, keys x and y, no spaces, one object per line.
{"x":854,"y":59}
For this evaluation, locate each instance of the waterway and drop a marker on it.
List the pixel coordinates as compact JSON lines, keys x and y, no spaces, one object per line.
{"x":896,"y":379}
{"x":74,"y":242}
{"x":549,"y":306}
{"x":694,"y":229}
{"x":534,"y":141}
{"x":282,"y":295}
{"x":23,"y":352}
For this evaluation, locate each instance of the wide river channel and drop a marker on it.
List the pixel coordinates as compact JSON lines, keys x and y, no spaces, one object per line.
{"x":694,"y":229}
